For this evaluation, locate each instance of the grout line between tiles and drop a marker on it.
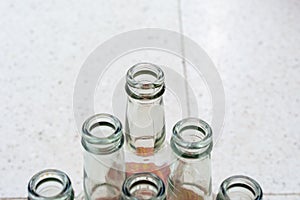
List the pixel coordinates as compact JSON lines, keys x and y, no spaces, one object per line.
{"x":183,"y":57}
{"x":283,"y":194}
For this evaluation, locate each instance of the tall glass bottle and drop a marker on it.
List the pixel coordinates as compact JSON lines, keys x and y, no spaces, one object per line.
{"x":50,"y":184}
{"x":239,"y":187}
{"x":190,"y":177}
{"x":142,"y":186}
{"x":145,"y":120}
{"x":104,"y":170}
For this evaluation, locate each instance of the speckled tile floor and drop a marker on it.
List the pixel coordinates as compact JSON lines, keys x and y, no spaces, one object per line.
{"x":255,"y":46}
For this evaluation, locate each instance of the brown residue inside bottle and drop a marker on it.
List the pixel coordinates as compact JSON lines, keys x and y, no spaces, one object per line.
{"x":184,"y":194}
{"x":161,"y":171}
{"x":144,"y":151}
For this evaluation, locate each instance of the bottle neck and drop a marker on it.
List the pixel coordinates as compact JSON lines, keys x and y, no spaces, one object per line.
{"x":50,"y":184}
{"x":240,"y":187}
{"x":192,"y":138}
{"x":142,"y":186}
{"x":102,"y":134}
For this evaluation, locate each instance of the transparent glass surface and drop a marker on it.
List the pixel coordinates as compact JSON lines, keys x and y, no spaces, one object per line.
{"x":50,"y":184}
{"x":145,"y":115}
{"x":104,"y":166}
{"x":157,"y":162}
{"x":240,"y":187}
{"x":143,"y":186}
{"x":190,"y":176}
{"x":145,"y":121}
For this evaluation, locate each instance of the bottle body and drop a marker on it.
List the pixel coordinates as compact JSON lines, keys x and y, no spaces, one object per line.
{"x":239,"y":187}
{"x":190,"y":177}
{"x":156,"y":163}
{"x":187,"y":183}
{"x":50,"y":184}
{"x":104,"y":170}
{"x":142,"y":186}
{"x":145,"y":125}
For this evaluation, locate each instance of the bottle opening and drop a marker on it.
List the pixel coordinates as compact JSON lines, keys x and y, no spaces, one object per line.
{"x":101,"y":126}
{"x":102,"y":129}
{"x":191,"y":137}
{"x":144,"y":190}
{"x":49,"y":187}
{"x":240,"y":188}
{"x":50,"y":184}
{"x":145,"y":80}
{"x":143,"y":186}
{"x":102,"y":133}
{"x":145,"y":75}
{"x":192,"y":134}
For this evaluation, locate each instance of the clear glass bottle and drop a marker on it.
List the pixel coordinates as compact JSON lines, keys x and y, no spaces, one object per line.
{"x":190,"y":177}
{"x":104,"y":171}
{"x":145,"y":118}
{"x":239,"y":187}
{"x":142,"y":186}
{"x":50,"y":184}
{"x":145,"y":121}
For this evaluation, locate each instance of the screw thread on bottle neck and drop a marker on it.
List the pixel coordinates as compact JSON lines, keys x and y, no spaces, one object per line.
{"x":102,"y":134}
{"x":145,"y":81}
{"x":192,"y":138}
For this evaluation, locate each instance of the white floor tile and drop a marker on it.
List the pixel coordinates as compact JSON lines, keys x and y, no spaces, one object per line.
{"x":43,"y":47}
{"x":279,"y":197}
{"x":255,"y":46}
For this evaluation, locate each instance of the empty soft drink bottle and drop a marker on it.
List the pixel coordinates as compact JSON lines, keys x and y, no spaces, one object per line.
{"x":190,"y":177}
{"x":145,"y":121}
{"x":104,"y":167}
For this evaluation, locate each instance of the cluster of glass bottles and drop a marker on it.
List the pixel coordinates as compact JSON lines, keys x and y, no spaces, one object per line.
{"x":137,"y":163}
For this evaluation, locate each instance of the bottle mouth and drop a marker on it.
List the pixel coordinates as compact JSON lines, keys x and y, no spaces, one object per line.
{"x":192,"y":137}
{"x":144,"y":185}
{"x":50,"y":184}
{"x":240,"y":187}
{"x":102,"y":134}
{"x":145,"y":80}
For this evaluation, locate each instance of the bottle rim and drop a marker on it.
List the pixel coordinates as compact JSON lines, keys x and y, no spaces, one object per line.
{"x":202,"y":137}
{"x":50,"y":175}
{"x":145,"y":68}
{"x":106,"y":144}
{"x":144,"y":178}
{"x":241,"y":181}
{"x":145,"y":89}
